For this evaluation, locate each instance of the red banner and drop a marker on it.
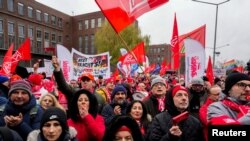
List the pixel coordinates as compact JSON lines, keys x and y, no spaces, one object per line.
{"x":121,"y":13}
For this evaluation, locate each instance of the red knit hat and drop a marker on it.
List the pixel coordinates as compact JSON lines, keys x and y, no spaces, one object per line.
{"x":35,"y":79}
{"x":177,"y":88}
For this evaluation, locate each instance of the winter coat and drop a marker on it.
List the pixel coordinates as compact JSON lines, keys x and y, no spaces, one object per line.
{"x":89,"y":128}
{"x":36,"y":135}
{"x":30,"y":121}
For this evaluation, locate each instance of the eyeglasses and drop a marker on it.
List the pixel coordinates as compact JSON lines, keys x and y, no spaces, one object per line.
{"x":158,"y":84}
{"x":242,"y":85}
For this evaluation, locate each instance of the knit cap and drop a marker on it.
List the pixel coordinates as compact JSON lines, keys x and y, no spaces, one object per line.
{"x":118,"y":88}
{"x":158,"y":79}
{"x":54,"y":113}
{"x":20,"y":85}
{"x":177,"y":88}
{"x":197,"y":81}
{"x":232,"y":79}
{"x":3,"y":79}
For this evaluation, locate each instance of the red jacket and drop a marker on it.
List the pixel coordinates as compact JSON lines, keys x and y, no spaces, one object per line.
{"x":89,"y":128}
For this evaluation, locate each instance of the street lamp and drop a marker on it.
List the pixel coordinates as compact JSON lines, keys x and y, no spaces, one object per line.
{"x":215,"y":32}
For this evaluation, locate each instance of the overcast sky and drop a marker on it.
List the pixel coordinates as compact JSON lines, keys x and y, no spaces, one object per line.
{"x":233,"y":25}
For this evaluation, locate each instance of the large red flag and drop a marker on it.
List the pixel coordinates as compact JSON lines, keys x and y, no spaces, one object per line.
{"x":6,"y":66}
{"x":198,"y":34}
{"x":137,"y":55}
{"x":22,"y":53}
{"x":121,"y":13}
{"x":209,"y":72}
{"x":175,"y":45}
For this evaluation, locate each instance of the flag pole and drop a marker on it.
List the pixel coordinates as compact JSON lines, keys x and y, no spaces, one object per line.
{"x":126,"y":46}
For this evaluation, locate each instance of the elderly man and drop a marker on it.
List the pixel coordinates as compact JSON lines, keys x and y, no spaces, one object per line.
{"x":233,"y":109}
{"x":21,"y":113}
{"x":155,"y":103}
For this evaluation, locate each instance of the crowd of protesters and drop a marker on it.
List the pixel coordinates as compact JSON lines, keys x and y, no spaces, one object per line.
{"x":140,"y":108}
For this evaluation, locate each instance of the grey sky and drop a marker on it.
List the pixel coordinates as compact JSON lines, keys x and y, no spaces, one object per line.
{"x":233,"y":22}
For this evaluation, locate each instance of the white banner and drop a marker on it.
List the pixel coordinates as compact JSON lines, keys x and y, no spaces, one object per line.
{"x":48,"y":67}
{"x":194,"y":60}
{"x":65,"y":58}
{"x":95,"y":64}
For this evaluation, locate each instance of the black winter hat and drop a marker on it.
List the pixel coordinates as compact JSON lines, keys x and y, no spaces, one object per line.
{"x":117,"y":89}
{"x":232,"y":79}
{"x":54,"y":113}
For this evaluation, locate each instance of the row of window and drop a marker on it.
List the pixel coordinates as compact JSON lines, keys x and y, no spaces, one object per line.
{"x":30,"y":13}
{"x":92,"y":24}
{"x":49,"y":38}
{"x":157,"y":50}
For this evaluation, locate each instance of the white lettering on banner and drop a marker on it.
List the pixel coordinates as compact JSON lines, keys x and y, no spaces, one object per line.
{"x":65,"y":69}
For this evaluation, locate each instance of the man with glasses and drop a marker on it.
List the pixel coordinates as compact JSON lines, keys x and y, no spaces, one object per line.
{"x":233,"y":109}
{"x":197,"y":95}
{"x":155,"y":103}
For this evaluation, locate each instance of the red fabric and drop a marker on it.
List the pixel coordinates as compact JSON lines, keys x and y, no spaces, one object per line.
{"x":226,"y":120}
{"x":161,"y":105}
{"x":62,"y":100}
{"x":35,"y":79}
{"x":180,"y":117}
{"x":203,"y":117}
{"x":135,"y":56}
{"x":209,"y":72}
{"x":177,"y":88}
{"x":175,"y":45}
{"x":22,"y":53}
{"x":89,"y":128}
{"x":198,"y":34}
{"x":6,"y":66}
{"x":121,"y":13}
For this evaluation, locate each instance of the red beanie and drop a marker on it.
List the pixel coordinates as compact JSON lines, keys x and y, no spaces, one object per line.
{"x":124,"y":128}
{"x":35,"y":79}
{"x":177,"y":88}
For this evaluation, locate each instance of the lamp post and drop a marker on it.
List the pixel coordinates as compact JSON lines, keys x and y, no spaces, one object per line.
{"x":216,"y":18}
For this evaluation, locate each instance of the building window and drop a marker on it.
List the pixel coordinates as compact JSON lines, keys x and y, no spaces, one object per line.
{"x":80,"y":25}
{"x":1,"y":40}
{"x":92,"y":37}
{"x":30,"y":12}
{"x":99,"y":22}
{"x":10,"y":6}
{"x":38,"y":35}
{"x":46,"y":17}
{"x":53,"y":20}
{"x":30,"y":33}
{"x":92,"y":23}
{"x":53,"y":38}
{"x":60,"y":22}
{"x":39,"y":46}
{"x":86,"y":24}
{"x":21,"y":32}
{"x":86,"y":39}
{"x":11,"y":39}
{"x":60,"y":39}
{"x":46,"y":36}
{"x":1,"y":3}
{"x":10,"y":28}
{"x":1,"y":26}
{"x":38,"y":15}
{"x":20,"y":8}
{"x":80,"y":43}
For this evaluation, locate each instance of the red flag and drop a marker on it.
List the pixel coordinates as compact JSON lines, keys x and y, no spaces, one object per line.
{"x":209,"y":72}
{"x":150,"y":68}
{"x":6,"y":66}
{"x":121,"y":13}
{"x":180,"y":117}
{"x":164,"y":67}
{"x":138,"y":52}
{"x":198,"y":34}
{"x":175,"y":45}
{"x":22,"y":53}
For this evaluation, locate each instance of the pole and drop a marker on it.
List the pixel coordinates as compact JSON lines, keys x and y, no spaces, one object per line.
{"x":215,"y":34}
{"x":216,"y":19}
